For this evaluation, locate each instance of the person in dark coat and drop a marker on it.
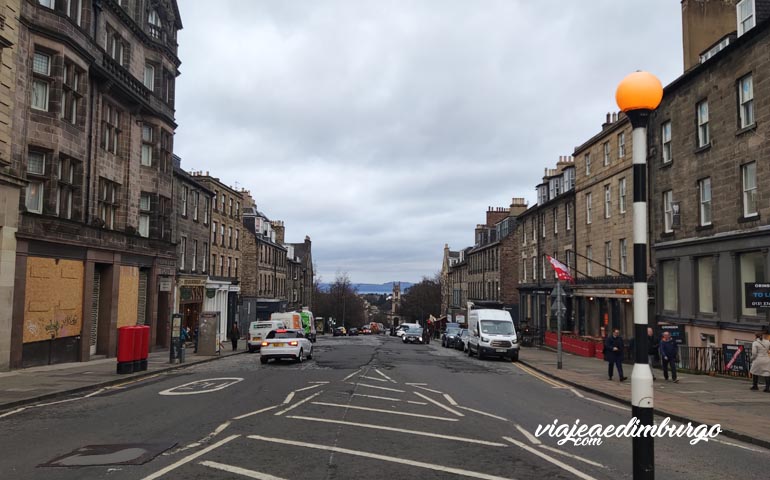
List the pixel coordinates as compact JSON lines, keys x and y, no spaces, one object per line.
{"x":235,"y":334}
{"x":669,"y":354}
{"x":652,"y":349}
{"x":613,"y":353}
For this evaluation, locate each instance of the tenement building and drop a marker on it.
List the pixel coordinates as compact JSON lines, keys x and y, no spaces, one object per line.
{"x":546,"y":229}
{"x":457,"y":281}
{"x":93,"y":128}
{"x":603,"y":290}
{"x":304,"y":273}
{"x":709,"y":177}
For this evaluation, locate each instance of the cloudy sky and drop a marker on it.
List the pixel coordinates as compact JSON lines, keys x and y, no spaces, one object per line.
{"x":384,"y":129}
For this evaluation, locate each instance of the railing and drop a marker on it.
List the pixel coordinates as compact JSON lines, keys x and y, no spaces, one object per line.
{"x":711,"y":360}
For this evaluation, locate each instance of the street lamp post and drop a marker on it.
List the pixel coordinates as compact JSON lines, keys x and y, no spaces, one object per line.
{"x":637,"y":95}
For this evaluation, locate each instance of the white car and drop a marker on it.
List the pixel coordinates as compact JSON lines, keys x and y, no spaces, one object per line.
{"x":286,"y":343}
{"x":404,"y":327}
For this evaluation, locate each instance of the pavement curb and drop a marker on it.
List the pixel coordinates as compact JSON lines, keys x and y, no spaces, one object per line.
{"x":109,"y":383}
{"x":726,"y":432}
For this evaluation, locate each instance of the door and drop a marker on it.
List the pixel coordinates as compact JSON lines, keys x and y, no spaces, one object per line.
{"x":95,"y":310}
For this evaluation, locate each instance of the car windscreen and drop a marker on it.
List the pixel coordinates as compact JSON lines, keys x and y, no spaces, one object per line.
{"x":263,"y":325}
{"x":499,"y":327}
{"x":452,"y":331}
{"x":287,"y":334}
{"x":415,"y":331}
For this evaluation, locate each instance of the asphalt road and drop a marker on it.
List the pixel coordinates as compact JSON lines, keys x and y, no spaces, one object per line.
{"x":364,"y":407}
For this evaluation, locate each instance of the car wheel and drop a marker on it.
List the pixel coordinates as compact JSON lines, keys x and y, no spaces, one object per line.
{"x":310,"y":355}
{"x":479,"y":354}
{"x":515,"y":357}
{"x":403,"y":339}
{"x":251,"y":349}
{"x":263,"y":360}
{"x":470,"y":351}
{"x":300,"y":357}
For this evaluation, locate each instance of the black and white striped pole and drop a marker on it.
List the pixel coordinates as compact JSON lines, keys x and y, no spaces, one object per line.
{"x":637,"y":95}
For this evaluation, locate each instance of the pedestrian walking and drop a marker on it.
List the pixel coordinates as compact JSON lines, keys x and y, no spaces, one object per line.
{"x":235,"y":334}
{"x":613,"y":353}
{"x":760,"y":361}
{"x":652,"y":349}
{"x":669,"y":354}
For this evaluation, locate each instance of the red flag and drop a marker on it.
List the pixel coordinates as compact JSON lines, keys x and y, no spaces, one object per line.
{"x":562,"y":271}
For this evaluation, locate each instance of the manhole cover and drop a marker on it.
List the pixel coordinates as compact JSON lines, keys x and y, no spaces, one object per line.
{"x":116,"y":454}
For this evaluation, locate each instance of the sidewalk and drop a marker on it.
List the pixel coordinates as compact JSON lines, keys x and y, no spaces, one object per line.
{"x":742,"y":413}
{"x":29,"y":385}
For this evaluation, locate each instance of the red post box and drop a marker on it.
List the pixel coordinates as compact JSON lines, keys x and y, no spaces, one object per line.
{"x":125,"y":350}
{"x":137,"y":331}
{"x":145,"y":347}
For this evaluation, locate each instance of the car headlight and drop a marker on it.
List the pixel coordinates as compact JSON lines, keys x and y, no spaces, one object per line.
{"x":420,"y":339}
{"x":484,"y":339}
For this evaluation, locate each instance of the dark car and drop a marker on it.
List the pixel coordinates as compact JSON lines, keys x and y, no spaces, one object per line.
{"x":353,"y":332}
{"x":414,"y":335}
{"x":450,"y":337}
{"x":462,"y":339}
{"x":366,"y":331}
{"x":339,"y":332}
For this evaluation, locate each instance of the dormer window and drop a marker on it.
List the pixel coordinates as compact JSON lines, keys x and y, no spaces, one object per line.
{"x":746,"y":18}
{"x":154,"y":25}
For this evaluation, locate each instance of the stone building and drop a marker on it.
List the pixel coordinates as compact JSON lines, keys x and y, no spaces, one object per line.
{"x":223,"y":283}
{"x":457,"y":279}
{"x":546,"y":229}
{"x":11,"y":182}
{"x":709,"y":177}
{"x":93,"y":128}
{"x":484,"y":261}
{"x":603,"y":290}
{"x":192,"y":236}
{"x":303,"y":280}
{"x":449,"y":259}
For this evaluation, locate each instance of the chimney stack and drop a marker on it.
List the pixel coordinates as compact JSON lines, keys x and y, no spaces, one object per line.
{"x":704,"y":23}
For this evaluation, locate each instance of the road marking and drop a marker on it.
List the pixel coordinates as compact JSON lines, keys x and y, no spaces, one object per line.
{"x":288,"y":398}
{"x":576,"y":457}
{"x":18,"y":410}
{"x":190,"y":458}
{"x":240,"y":471}
{"x":308,"y":388}
{"x":550,"y":459}
{"x":483,"y":413}
{"x":121,"y":385}
{"x":351,"y":375}
{"x":378,"y":371}
{"x":375,"y":456}
{"x":428,"y":389}
{"x":613,"y":405}
{"x":540,"y":376}
{"x":379,"y":388}
{"x":401,"y":430}
{"x":415,"y":384}
{"x":241,"y":417}
{"x":379,"y":410}
{"x":450,"y":400}
{"x":202,"y":441}
{"x":292,"y":407}
{"x":738,"y":445}
{"x":374,"y":378}
{"x":202,"y":386}
{"x":439,"y":404}
{"x":389,"y":398}
{"x":66,"y":400}
{"x":530,"y":437}
{"x":576,"y":392}
{"x":326,"y":381}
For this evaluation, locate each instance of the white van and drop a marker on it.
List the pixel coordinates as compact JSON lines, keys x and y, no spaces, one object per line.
{"x":258,"y":332}
{"x":491,"y":333}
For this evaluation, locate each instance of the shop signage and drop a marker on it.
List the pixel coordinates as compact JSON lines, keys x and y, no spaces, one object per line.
{"x":164,"y":284}
{"x":757,"y":295}
{"x":624,"y":291}
{"x":211,"y":292}
{"x":676,"y":331}
{"x":734,"y":357}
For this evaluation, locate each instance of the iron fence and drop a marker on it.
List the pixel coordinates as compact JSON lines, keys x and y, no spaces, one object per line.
{"x":711,"y":360}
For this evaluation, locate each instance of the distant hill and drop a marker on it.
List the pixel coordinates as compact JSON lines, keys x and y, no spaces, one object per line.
{"x":373,"y":287}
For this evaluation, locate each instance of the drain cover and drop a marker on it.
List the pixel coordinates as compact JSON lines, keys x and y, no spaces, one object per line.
{"x":115,"y":454}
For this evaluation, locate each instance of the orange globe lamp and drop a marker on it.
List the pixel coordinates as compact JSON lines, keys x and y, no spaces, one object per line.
{"x":639,"y":91}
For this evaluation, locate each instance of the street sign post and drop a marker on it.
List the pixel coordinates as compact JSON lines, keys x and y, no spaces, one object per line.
{"x":558,"y":305}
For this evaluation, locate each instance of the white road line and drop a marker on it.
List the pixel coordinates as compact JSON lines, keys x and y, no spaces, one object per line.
{"x":428,"y":389}
{"x":288,"y":398}
{"x":378,"y":371}
{"x":379,"y":410}
{"x":550,"y":459}
{"x":613,"y":405}
{"x":240,"y":471}
{"x":18,"y":410}
{"x":292,"y":407}
{"x":374,"y":378}
{"x":241,"y":417}
{"x":66,"y":400}
{"x":530,"y":437}
{"x":389,"y":398}
{"x":737,"y":445}
{"x":202,"y":441}
{"x":351,"y":375}
{"x":401,"y":430}
{"x":576,"y":457}
{"x":450,"y":400}
{"x":415,"y":384}
{"x":439,"y":404}
{"x":375,"y":456}
{"x":483,"y":413}
{"x":189,"y":458}
{"x":576,"y":392}
{"x":307,"y":388}
{"x":380,"y":388}
{"x":324,"y":382}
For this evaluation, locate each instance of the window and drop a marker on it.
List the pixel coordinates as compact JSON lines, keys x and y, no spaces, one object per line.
{"x":670,"y":286}
{"x":221,"y":265}
{"x":622,"y":195}
{"x":237,"y":209}
{"x":230,"y":237}
{"x":705,"y":266}
{"x":556,"y":220}
{"x":665,"y":139}
{"x":110,"y":128}
{"x":182,"y":252}
{"x":607,"y":257}
{"x":194,"y":255}
{"x":589,"y":260}
{"x":66,"y":190}
{"x":115,"y":46}
{"x":587,"y":158}
{"x":746,"y":20}
{"x":607,"y":201}
{"x":148,"y":139}
{"x":185,"y":195}
{"x":71,"y":98}
{"x":214,"y":233}
{"x":746,"y":101}
{"x":223,"y":204}
{"x":668,"y":211}
{"x":534,"y":269}
{"x":542,"y":225}
{"x":213,"y":264}
{"x":108,"y":203}
{"x":749,"y":175}
{"x":752,"y":270}
{"x":229,"y":266}
{"x":41,"y":81}
{"x":205,"y":256}
{"x":36,"y":163}
{"x":588,"y":208}
{"x":153,"y":24}
{"x":34,"y":201}
{"x":222,"y":235}
{"x":230,"y":212}
{"x":46,"y":3}
{"x":621,"y":144}
{"x":196,"y":199}
{"x":149,"y":76}
{"x":206,"y":205}
{"x":606,"y":153}
{"x":216,"y":197}
{"x":145,"y":201}
{"x":235,"y":273}
{"x":237,"y":239}
{"x":623,"y":256}
{"x":544,"y":269}
{"x":166,"y":147}
{"x":703,"y":123}
{"x":569,"y":216}
{"x":524,"y":269}
{"x":704,"y":188}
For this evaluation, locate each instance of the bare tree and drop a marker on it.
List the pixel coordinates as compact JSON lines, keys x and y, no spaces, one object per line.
{"x":422,"y":299}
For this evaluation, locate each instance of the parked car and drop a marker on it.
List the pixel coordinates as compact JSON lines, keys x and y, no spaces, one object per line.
{"x":413,"y":335}
{"x":493,"y":334}
{"x":258,"y":331}
{"x":450,"y":337}
{"x":353,"y":332}
{"x":405,"y":327}
{"x":339,"y":332}
{"x":365,"y":330}
{"x":462,"y":342}
{"x":285,"y":343}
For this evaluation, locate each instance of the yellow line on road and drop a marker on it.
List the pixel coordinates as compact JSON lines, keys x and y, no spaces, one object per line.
{"x":540,"y":376}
